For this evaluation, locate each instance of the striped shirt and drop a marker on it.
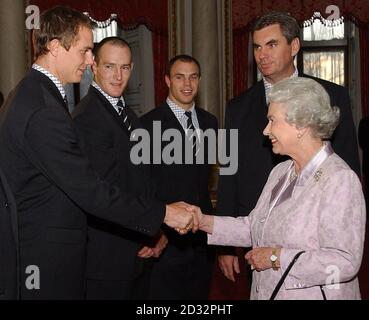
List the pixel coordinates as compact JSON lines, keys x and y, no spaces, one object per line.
{"x":180,"y":114}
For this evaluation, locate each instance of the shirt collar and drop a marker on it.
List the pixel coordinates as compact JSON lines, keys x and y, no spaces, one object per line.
{"x":53,"y":78}
{"x":112,"y":100}
{"x":178,"y":111}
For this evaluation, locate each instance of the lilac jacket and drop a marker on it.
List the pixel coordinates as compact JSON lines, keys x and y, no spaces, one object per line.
{"x":325,"y":217}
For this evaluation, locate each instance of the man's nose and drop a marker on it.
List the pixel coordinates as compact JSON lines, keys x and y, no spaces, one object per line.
{"x":89,"y":59}
{"x":118,"y":74}
{"x":262,"y":53}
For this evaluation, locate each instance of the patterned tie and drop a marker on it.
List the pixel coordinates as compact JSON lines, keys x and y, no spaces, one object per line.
{"x":191,"y":135}
{"x":124,"y":115}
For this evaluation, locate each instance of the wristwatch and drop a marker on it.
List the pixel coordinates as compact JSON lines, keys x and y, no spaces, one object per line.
{"x":273,"y":258}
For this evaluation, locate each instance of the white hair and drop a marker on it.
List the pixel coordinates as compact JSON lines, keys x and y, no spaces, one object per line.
{"x":308,"y":105}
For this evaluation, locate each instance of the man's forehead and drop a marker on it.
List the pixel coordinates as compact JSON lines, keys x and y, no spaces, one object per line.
{"x":184,"y":72}
{"x":84,"y":37}
{"x":268,"y":33}
{"x":115,"y":54}
{"x":185,"y":67}
{"x":113,"y":48}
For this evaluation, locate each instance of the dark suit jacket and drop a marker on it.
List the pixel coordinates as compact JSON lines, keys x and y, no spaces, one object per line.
{"x":54,"y":185}
{"x":238,"y":194}
{"x":111,"y":250}
{"x":9,"y":264}
{"x":181,"y":182}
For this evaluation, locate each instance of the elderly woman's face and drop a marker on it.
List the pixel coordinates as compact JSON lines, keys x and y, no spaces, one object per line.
{"x":282,"y":135}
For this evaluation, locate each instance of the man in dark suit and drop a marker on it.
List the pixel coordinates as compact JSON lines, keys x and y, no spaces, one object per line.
{"x":52,"y":181}
{"x":9,"y":250}
{"x":184,"y":269}
{"x":276,"y":43}
{"x":115,"y":256}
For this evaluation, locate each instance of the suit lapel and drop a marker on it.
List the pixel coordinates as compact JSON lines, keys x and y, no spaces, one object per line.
{"x":200,"y":118}
{"x":110,"y":109}
{"x":170,"y":120}
{"x":261,"y":107}
{"x":50,"y":87}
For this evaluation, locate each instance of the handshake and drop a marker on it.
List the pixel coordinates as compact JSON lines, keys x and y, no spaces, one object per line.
{"x":183,"y":217}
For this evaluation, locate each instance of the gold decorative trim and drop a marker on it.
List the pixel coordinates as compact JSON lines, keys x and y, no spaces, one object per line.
{"x":172,"y":27}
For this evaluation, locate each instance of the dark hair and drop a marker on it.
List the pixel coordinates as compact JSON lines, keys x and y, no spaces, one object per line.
{"x":183,"y":58}
{"x":116,"y":41}
{"x":289,"y":26}
{"x":62,"y":23}
{"x":1,"y":98}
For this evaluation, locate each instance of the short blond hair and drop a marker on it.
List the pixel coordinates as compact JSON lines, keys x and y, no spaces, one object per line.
{"x":61,"y":23}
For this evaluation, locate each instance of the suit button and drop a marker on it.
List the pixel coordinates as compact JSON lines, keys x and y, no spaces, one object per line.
{"x":262,"y":220}
{"x":6,"y":205}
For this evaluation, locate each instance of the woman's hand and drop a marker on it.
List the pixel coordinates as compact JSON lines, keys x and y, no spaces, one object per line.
{"x":259,"y":258}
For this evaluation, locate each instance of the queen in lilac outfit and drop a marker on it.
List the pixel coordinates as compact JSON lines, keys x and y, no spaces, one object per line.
{"x":312,"y":203}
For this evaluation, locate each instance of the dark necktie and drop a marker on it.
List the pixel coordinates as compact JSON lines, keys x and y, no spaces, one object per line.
{"x":191,"y":135}
{"x":124,"y":115}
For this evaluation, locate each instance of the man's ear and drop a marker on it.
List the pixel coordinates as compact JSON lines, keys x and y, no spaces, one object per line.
{"x":53,"y":47}
{"x":94,"y":67}
{"x":167,"y":80}
{"x":295,"y":45}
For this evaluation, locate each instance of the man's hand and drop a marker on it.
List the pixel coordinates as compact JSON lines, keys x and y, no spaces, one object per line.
{"x":145,"y":252}
{"x":158,"y":245}
{"x":192,"y":211}
{"x":229,"y":264}
{"x":197,"y":217}
{"x":178,"y":215}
